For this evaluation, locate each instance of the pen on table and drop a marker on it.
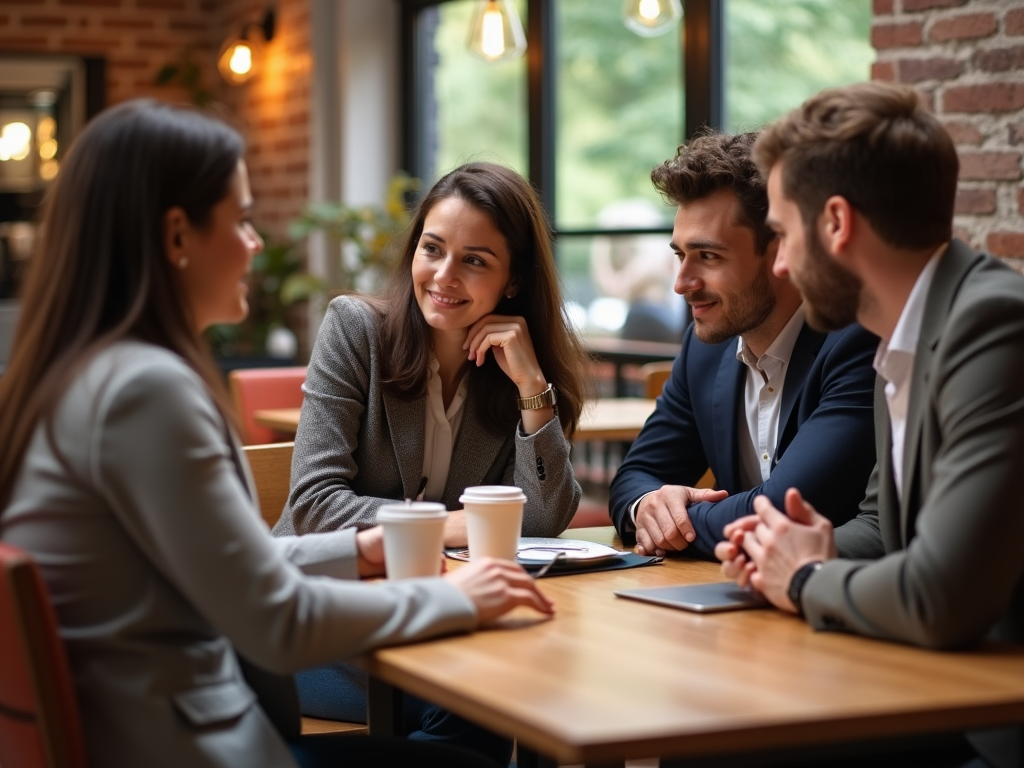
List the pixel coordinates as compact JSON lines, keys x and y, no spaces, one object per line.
{"x":547,"y":566}
{"x":419,"y":491}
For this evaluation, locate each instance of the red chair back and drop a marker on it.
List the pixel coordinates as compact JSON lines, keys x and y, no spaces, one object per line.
{"x":255,"y":388}
{"x":39,"y":724}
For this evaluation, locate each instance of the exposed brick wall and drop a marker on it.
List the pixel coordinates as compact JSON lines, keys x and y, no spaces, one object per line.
{"x":967,"y":59}
{"x":137,"y":37}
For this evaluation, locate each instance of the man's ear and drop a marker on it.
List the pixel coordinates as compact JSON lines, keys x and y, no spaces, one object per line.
{"x":176,"y":227}
{"x":835,"y":225}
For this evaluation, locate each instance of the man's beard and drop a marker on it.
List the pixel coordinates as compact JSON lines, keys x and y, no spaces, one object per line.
{"x":831,"y":293}
{"x":752,"y":307}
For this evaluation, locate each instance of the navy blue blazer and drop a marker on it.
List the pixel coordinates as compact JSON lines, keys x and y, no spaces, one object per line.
{"x":825,"y":443}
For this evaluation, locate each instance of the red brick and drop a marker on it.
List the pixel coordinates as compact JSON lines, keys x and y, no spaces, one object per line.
{"x":916,"y":70}
{"x":43,"y":21}
{"x":165,"y":5}
{"x":963,"y":133}
{"x":993,"y":97}
{"x":975,"y":201}
{"x":1015,"y":22}
{"x":22,"y":42}
{"x":131,"y":63}
{"x":1005,"y":243}
{"x":927,"y":98}
{"x":896,"y":35}
{"x":24,"y":2}
{"x":187,"y":26}
{"x":1020,"y":200}
{"x":884,"y":71}
{"x":1000,"y":59}
{"x":90,"y":43}
{"x":962,"y":234}
{"x":155,"y":43}
{"x":1016,"y":133}
{"x":881,"y":7}
{"x":127,"y":24}
{"x":990,"y":165}
{"x":909,"y":6}
{"x":971,"y":25}
{"x":92,"y":3}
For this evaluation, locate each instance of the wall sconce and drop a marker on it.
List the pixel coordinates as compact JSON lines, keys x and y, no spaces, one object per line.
{"x":496,"y":32}
{"x":650,"y":18}
{"x":239,"y":57}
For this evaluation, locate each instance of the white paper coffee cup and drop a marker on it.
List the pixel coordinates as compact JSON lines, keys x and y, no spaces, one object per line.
{"x":413,"y":538}
{"x":494,"y":520}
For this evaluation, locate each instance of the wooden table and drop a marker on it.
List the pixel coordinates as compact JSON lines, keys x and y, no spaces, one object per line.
{"x":610,"y":679}
{"x":614,"y":418}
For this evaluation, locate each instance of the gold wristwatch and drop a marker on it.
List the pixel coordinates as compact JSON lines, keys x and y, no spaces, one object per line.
{"x":545,"y":399}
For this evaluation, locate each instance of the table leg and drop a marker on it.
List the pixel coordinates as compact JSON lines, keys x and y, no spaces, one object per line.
{"x":384,"y":708}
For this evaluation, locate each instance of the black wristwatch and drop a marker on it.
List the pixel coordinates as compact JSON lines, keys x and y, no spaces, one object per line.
{"x":799,"y":580}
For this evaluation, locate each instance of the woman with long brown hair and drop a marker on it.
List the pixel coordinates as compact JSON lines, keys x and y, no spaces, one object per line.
{"x":465,"y":373}
{"x":122,"y":475}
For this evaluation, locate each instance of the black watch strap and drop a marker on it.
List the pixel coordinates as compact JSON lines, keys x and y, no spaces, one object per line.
{"x":799,"y":581}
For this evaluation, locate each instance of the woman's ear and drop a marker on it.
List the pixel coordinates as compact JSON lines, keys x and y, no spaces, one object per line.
{"x":512,"y":288}
{"x":176,"y":226}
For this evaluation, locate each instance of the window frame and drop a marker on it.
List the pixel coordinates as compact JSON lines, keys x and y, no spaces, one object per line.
{"x":703,"y":96}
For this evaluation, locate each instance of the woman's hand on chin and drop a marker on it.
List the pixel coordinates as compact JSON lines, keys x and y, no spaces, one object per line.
{"x":509,"y":340}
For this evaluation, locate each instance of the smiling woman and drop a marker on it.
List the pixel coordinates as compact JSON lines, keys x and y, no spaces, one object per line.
{"x":465,"y":373}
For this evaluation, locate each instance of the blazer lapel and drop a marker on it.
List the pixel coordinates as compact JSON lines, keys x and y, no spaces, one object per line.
{"x":473,"y":454}
{"x":808,"y":344}
{"x":727,"y":403}
{"x":407,"y":439}
{"x":953,"y":267}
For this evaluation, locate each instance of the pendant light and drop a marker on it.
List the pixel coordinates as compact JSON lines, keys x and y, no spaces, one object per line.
{"x":650,"y":18}
{"x":496,"y":33}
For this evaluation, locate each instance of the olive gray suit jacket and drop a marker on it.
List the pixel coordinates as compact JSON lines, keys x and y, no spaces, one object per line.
{"x":943,"y":567}
{"x":141,"y":516}
{"x":358,"y":447}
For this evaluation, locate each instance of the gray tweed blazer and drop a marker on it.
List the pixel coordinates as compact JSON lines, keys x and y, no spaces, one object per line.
{"x":358,"y":448}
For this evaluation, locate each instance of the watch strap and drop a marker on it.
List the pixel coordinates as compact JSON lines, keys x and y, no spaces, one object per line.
{"x":545,"y":399}
{"x":799,"y":581}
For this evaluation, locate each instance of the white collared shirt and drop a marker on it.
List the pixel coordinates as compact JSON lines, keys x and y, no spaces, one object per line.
{"x":894,"y":362}
{"x":440,"y":429}
{"x":762,"y":404}
{"x":762,"y":401}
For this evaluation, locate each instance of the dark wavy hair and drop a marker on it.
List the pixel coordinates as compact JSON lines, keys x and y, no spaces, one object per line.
{"x":100,"y":272}
{"x":404,"y":336}
{"x":710,"y":162}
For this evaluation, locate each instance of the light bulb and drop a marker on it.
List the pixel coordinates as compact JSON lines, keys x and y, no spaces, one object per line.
{"x":496,"y":32}
{"x":15,"y":141}
{"x":241,"y":59}
{"x":650,"y":18}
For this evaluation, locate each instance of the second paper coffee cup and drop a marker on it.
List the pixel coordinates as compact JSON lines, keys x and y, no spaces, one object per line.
{"x":494,"y":520}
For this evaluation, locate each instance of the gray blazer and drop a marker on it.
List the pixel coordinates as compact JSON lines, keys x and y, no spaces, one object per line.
{"x":141,"y":515}
{"x":358,"y":447}
{"x":943,"y":568}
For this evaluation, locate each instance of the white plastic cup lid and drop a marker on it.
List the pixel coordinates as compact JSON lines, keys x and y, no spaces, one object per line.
{"x":492,"y":494}
{"x":411,"y":510}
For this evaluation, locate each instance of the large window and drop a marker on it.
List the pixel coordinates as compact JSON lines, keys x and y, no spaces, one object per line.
{"x":592,"y":107}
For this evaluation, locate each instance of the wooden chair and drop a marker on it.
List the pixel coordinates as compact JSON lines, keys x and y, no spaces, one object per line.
{"x":256,"y":388}
{"x":654,"y":376}
{"x":39,"y":723}
{"x":271,"y":467}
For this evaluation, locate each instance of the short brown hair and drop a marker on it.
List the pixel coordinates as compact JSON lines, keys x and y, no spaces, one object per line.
{"x":711,"y":162}
{"x":877,"y":146}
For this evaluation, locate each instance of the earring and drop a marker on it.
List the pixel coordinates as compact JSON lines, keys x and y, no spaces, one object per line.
{"x":509,"y":295}
{"x":183,"y":262}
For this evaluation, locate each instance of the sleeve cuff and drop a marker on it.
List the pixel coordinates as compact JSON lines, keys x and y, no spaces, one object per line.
{"x":331,"y":554}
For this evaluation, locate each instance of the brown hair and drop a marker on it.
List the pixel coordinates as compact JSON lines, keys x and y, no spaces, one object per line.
{"x":715,"y":161}
{"x":404,"y":336}
{"x":875,"y":145}
{"x":100,"y":273}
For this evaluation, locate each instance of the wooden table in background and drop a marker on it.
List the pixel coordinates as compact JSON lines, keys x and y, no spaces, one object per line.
{"x":622,"y":352}
{"x":610,"y":679}
{"x":614,"y":418}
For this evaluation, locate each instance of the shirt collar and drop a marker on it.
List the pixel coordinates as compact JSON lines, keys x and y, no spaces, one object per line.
{"x":908,"y":328}
{"x":781,"y":348}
